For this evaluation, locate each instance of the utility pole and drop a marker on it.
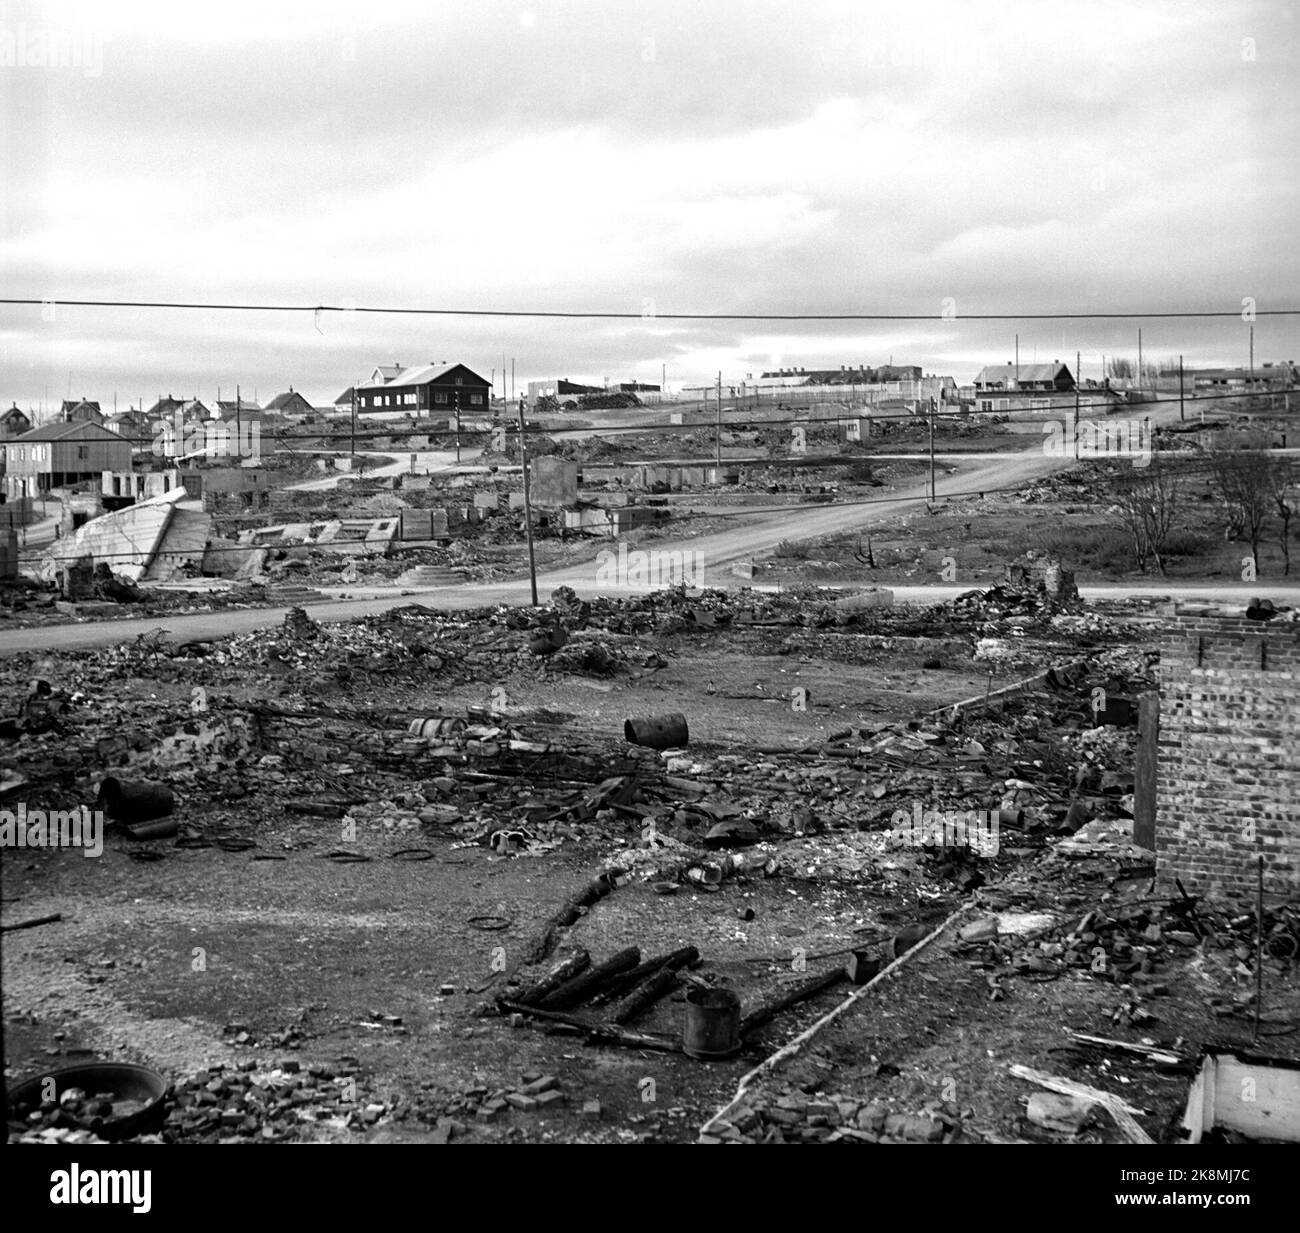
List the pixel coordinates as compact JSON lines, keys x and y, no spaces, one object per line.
{"x":237,"y":423}
{"x":1139,"y":361}
{"x":354,"y":421}
{"x":1077,"y":366}
{"x":1017,"y":361}
{"x":1182,"y":411}
{"x":456,"y":400}
{"x":528,"y":503}
{"x":512,"y":376}
{"x":932,"y":493}
{"x":717,"y":441}
{"x":1252,"y":355}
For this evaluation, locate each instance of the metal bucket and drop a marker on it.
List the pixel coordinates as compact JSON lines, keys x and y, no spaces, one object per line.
{"x":134,"y":801}
{"x":120,"y":1080}
{"x":657,"y":731}
{"x":712,"y":1024}
{"x":436,"y":726}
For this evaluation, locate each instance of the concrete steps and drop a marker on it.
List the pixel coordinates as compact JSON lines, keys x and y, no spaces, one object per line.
{"x":291,"y":595}
{"x":423,"y":576}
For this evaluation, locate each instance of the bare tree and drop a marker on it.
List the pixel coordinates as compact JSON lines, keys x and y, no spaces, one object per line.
{"x":1280,"y":480}
{"x":1146,"y":504}
{"x":1246,"y":485}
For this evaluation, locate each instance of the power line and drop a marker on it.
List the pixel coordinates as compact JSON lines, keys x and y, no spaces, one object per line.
{"x":587,"y":314}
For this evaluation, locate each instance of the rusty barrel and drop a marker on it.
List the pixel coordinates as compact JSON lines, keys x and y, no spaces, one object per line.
{"x":712,"y":1023}
{"x":436,"y":726}
{"x":657,"y":731}
{"x":134,"y":800}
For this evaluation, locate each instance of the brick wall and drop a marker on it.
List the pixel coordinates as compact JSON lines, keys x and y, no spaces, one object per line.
{"x":1228,"y":783}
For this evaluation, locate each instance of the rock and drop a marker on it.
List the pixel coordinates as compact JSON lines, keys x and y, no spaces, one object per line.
{"x":1063,"y":1114}
{"x":731,"y":833}
{"x":917,"y":1128}
{"x":983,"y":930}
{"x":544,"y":1083}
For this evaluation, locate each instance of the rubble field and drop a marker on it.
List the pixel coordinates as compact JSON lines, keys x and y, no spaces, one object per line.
{"x":411,"y":879}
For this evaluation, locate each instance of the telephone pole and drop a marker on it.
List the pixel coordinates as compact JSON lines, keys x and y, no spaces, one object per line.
{"x":1077,"y":366}
{"x":932,"y":492}
{"x":717,"y":441}
{"x":528,"y":504}
{"x":1182,"y":411}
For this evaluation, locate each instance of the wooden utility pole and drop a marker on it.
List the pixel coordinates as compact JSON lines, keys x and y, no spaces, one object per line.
{"x":1077,"y":366}
{"x":528,"y":505}
{"x":1139,"y":362}
{"x":456,"y":401}
{"x":1182,"y":411}
{"x":354,"y":420}
{"x":238,"y":438}
{"x":932,"y":492}
{"x":717,"y":443}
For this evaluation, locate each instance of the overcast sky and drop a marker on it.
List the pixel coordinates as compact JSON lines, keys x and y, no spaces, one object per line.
{"x":638,"y":156}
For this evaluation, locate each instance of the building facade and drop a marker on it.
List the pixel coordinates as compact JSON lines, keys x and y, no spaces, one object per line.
{"x":432,"y":389}
{"x":58,"y":455}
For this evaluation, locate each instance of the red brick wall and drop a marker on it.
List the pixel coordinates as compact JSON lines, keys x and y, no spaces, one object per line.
{"x":1228,"y":783}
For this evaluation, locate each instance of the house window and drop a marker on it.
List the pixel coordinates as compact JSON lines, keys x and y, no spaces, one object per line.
{"x":476,"y":400}
{"x":1040,"y":404}
{"x":440,"y":397}
{"x":460,"y":380}
{"x":83,"y":451}
{"x":986,"y":404}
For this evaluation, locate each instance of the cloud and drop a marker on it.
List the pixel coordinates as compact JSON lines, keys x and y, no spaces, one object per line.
{"x":741,"y":157}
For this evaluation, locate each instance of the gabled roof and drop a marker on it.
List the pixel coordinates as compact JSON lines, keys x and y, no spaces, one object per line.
{"x":13,"y":413}
{"x":421,"y":374}
{"x":1025,"y":372}
{"x":232,"y":405}
{"x":77,"y":429}
{"x":74,"y":404}
{"x":382,"y":373}
{"x":345,"y":398}
{"x":285,"y":400}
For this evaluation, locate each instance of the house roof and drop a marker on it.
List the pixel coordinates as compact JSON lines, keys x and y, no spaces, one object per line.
{"x":421,"y":374}
{"x":345,"y":398}
{"x":13,"y":413}
{"x":382,"y":373}
{"x":1025,"y":372}
{"x":73,"y":404}
{"x":285,"y":400}
{"x":77,"y":429}
{"x":232,"y":405}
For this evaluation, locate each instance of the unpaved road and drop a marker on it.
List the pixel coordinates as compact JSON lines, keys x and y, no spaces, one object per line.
{"x":751,"y":536}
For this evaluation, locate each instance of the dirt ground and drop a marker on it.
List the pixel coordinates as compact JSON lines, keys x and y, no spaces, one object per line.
{"x":258,"y":949}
